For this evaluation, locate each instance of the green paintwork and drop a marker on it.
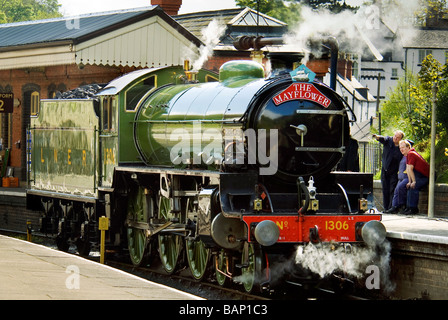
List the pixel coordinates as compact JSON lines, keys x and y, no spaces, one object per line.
{"x":74,"y":150}
{"x":175,"y":75}
{"x":242,"y":69}
{"x":169,"y":245}
{"x":195,"y":116}
{"x":64,"y":147}
{"x":198,"y":257}
{"x":137,"y":211}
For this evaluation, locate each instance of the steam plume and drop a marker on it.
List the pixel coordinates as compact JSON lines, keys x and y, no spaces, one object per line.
{"x":326,"y":260}
{"x":355,"y":32}
{"x":211,"y":36}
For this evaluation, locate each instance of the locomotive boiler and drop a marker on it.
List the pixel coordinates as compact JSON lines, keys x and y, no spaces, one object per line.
{"x":230,"y":171}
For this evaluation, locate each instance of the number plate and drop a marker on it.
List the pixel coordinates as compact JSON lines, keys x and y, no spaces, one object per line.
{"x":339,"y":228}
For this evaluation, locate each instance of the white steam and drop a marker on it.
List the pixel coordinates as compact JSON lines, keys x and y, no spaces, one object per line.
{"x":355,"y":32}
{"x":211,"y":35}
{"x":326,"y":259}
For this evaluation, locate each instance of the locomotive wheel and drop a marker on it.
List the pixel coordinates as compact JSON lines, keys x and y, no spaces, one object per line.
{"x":251,"y":273}
{"x":169,"y":245}
{"x":223,"y":260}
{"x":139,"y":205}
{"x":198,"y":257}
{"x":62,"y":243}
{"x":82,"y":242}
{"x":138,"y":246}
{"x":56,"y":214}
{"x":83,"y":247}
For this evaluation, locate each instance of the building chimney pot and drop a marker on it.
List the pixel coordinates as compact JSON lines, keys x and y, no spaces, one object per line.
{"x":171,"y":7}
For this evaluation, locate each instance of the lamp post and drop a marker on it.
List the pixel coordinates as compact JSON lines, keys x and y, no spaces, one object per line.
{"x":432,"y":163}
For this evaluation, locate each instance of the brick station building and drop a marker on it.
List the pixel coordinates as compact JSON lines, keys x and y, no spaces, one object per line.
{"x":40,"y":58}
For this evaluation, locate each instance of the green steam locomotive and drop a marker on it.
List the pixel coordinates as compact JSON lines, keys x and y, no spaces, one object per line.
{"x":228,"y":170}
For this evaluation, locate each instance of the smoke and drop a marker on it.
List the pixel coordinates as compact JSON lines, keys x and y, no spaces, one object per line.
{"x":211,"y":36}
{"x":356,"y":32}
{"x":326,"y":259}
{"x":275,"y":273}
{"x":354,"y":261}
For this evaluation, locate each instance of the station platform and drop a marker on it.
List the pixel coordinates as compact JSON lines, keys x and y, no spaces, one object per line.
{"x":416,"y":228}
{"x":33,"y":272}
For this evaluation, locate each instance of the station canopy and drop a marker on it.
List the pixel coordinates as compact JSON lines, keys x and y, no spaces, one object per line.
{"x":142,"y":37}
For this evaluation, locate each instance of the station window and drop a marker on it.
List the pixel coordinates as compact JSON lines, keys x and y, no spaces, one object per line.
{"x":394,"y":73}
{"x":134,"y":94}
{"x":109,"y":114}
{"x":422,"y":54}
{"x":35,"y":102}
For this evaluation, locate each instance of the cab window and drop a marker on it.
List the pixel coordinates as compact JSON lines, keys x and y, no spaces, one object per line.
{"x":109,"y":114}
{"x":134,"y":94}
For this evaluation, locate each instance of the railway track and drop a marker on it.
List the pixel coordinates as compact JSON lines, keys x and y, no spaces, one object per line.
{"x":120,"y":260}
{"x":182,"y":279}
{"x":183,"y":282}
{"x":210,"y":290}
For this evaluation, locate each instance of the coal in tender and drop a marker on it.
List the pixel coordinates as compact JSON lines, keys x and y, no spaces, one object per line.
{"x":84,"y":92}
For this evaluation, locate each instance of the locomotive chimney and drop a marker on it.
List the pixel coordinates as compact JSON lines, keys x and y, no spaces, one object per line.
{"x":192,"y":76}
{"x":171,"y":7}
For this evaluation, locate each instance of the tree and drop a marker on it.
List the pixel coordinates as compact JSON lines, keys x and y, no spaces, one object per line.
{"x":289,"y":11}
{"x":334,"y":6}
{"x":442,"y":106}
{"x":442,"y":118}
{"x":428,"y":76}
{"x":431,"y":10}
{"x":398,"y":108}
{"x":26,"y":10}
{"x":286,"y":11}
{"x":409,"y":107}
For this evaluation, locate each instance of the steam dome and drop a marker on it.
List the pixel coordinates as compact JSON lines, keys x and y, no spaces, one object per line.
{"x":241,"y":69}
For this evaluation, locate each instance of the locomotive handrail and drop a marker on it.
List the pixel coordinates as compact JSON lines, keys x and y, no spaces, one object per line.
{"x":302,"y":186}
{"x":64,"y":128}
{"x":108,"y":135}
{"x":188,"y":121}
{"x":336,"y":112}
{"x":351,"y":110}
{"x":349,"y":208}
{"x":321,"y":149}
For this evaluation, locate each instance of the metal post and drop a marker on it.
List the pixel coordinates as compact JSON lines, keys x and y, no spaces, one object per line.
{"x":378,"y":93}
{"x":432,"y":162}
{"x":103,"y":227}
{"x":29,"y":231}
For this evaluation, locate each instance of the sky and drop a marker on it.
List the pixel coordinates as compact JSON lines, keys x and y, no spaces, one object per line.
{"x":77,"y":7}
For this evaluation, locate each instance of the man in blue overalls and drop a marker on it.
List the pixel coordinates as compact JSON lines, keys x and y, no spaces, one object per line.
{"x":391,"y":160}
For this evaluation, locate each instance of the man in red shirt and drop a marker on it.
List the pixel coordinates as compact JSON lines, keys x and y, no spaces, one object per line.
{"x":418,"y":174}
